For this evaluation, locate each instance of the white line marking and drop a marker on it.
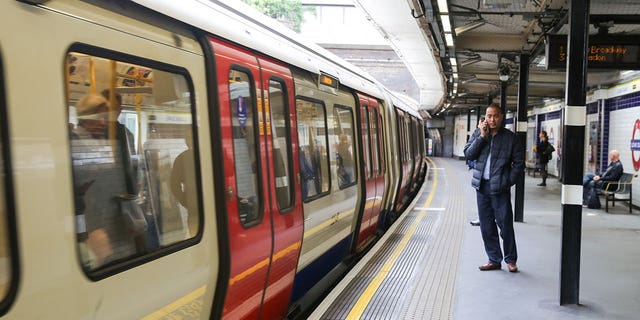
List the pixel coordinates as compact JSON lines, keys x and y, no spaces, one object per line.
{"x":429,"y":209}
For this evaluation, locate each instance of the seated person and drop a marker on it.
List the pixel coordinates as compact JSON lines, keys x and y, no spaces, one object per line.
{"x":612,"y":173}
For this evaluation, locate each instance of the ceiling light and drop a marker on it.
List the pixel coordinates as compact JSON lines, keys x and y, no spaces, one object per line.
{"x":448,"y":38}
{"x":442,"y":6}
{"x":446,"y":23}
{"x":453,"y":61}
{"x":470,"y":26}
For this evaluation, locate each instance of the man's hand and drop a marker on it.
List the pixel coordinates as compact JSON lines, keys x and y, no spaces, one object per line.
{"x":484,"y":129}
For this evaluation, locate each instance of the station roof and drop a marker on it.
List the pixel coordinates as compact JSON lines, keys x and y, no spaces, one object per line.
{"x":485,"y":36}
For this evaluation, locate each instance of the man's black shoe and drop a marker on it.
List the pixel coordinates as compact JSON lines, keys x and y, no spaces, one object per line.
{"x":475,"y":222}
{"x":542,"y":184}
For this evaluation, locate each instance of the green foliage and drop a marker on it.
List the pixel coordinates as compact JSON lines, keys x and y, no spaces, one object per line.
{"x":289,"y":12}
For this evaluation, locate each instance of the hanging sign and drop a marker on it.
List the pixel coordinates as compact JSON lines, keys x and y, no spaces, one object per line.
{"x":603,"y":52}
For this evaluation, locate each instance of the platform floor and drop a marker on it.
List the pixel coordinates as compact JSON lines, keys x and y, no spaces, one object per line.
{"x":426,"y":266}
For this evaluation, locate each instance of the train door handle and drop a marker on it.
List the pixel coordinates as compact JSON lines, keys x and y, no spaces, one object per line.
{"x":230,"y":193}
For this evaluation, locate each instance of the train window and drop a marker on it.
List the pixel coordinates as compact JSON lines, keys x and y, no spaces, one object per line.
{"x":343,"y":128}
{"x":279,"y":111}
{"x":400,"y":125}
{"x":246,"y":161}
{"x":408,"y":137}
{"x":134,"y":168}
{"x":375,"y":153}
{"x":366,"y":141}
{"x":405,"y":139}
{"x":313,"y":153}
{"x":414,"y":126}
{"x":381,"y":145}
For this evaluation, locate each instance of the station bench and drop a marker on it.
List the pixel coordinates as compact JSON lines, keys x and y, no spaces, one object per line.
{"x":619,"y":191}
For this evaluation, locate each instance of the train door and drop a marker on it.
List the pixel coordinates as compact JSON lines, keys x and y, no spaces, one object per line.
{"x":373,"y":174}
{"x":249,"y":229}
{"x":375,"y":138}
{"x":378,"y":140}
{"x":402,"y":141}
{"x":415,"y":155}
{"x":417,"y":152}
{"x":287,"y":219}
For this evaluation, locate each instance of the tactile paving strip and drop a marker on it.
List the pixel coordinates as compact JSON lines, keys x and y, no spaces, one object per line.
{"x":421,"y":283}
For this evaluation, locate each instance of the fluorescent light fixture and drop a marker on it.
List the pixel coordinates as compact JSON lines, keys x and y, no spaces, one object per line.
{"x":470,"y":26}
{"x":442,"y":6}
{"x":465,"y":81}
{"x":470,"y":61}
{"x":453,"y":61}
{"x":455,"y":76}
{"x":448,"y":38}
{"x":542,"y":62}
{"x":454,"y":68}
{"x":446,"y":23}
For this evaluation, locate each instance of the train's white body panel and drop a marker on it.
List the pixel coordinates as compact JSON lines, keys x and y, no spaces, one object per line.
{"x":45,"y":271}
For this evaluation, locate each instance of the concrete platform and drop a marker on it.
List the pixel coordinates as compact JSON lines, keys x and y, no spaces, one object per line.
{"x":609,"y":269}
{"x":426,"y":265}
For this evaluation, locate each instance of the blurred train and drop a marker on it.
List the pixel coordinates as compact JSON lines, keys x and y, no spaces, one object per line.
{"x":186,"y":160}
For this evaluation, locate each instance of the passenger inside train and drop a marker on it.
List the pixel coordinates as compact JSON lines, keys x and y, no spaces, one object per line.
{"x":123,"y":147}
{"x":344,"y":158}
{"x":101,"y":219}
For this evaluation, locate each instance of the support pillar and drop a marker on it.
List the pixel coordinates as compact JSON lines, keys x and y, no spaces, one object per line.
{"x":521,"y":131}
{"x":503,"y":98}
{"x":573,"y":151}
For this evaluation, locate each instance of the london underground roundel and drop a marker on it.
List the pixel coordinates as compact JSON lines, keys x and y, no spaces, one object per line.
{"x":635,"y":145}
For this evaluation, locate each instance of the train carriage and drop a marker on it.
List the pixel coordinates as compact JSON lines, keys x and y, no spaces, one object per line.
{"x":190,"y":157}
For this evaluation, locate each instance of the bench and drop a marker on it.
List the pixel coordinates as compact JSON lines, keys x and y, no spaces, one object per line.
{"x":530,"y":165}
{"x":619,"y":191}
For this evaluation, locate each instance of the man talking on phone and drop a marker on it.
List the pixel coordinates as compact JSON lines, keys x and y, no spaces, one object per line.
{"x":499,"y":165}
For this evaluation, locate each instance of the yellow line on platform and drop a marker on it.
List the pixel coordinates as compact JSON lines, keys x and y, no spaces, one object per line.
{"x":365,"y":298}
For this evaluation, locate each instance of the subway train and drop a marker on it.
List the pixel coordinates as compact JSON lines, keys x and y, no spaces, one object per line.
{"x":187,"y":160}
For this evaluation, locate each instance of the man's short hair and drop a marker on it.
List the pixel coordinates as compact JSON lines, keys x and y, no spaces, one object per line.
{"x":105,"y":94}
{"x":496,"y":106}
{"x":89,"y":104}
